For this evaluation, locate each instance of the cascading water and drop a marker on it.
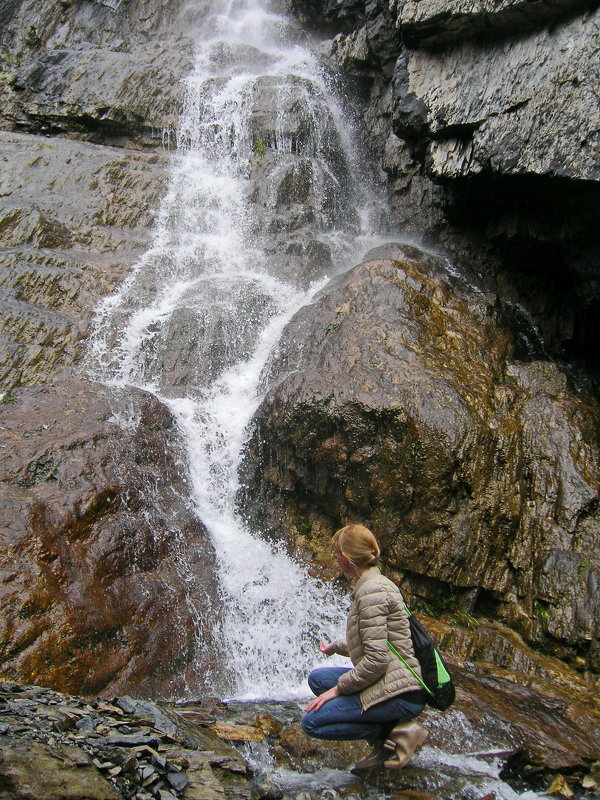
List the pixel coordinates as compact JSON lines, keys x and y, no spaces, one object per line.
{"x":261,"y":155}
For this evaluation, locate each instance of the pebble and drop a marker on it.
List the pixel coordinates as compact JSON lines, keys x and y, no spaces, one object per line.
{"x":126,"y":704}
{"x":265,"y":787}
{"x":85,"y":723}
{"x":178,"y":780}
{"x":160,"y":762}
{"x":176,"y":762}
{"x":110,"y":709}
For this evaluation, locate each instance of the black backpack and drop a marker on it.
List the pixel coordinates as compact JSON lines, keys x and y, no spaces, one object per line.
{"x":436,"y":681}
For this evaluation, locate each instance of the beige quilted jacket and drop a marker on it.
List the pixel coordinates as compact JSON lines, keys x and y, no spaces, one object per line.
{"x":377,"y":615}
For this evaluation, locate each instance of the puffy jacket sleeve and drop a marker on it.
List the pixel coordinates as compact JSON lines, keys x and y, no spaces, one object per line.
{"x":372,"y":626}
{"x":341,"y":648}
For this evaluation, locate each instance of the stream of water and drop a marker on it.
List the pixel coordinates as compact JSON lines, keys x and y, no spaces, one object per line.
{"x":200,"y":314}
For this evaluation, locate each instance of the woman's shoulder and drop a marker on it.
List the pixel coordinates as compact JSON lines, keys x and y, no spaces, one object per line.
{"x":378,"y":584}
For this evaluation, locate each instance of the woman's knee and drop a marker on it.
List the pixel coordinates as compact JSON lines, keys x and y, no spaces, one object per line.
{"x":315,"y":680}
{"x":308,"y":724}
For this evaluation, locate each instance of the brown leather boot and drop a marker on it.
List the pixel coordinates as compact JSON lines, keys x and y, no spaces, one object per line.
{"x":404,"y":740}
{"x":374,"y":758}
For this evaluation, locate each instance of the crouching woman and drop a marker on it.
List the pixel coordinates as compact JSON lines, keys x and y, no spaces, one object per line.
{"x":378,"y":698}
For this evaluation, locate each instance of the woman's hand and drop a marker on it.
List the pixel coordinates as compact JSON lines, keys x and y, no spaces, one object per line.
{"x":316,"y":704}
{"x":327,"y":649}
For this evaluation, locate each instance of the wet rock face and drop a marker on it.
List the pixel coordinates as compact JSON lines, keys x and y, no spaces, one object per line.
{"x":484,"y":119}
{"x":73,"y":217}
{"x":299,"y":197}
{"x":96,"y":547}
{"x":481,"y":104}
{"x":82,"y":85}
{"x":64,"y":89}
{"x":97,"y":522}
{"x":86,"y":67}
{"x":401,"y":405}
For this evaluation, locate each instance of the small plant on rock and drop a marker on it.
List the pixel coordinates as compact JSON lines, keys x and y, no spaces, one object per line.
{"x":260,"y":147}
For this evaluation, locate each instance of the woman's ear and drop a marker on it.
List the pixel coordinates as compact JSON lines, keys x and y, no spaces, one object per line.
{"x":344,"y":563}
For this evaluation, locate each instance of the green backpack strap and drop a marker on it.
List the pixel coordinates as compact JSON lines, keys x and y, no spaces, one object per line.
{"x":408,"y":666}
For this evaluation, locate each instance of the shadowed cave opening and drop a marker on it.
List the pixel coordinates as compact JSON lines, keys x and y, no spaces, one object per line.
{"x":546,"y":233}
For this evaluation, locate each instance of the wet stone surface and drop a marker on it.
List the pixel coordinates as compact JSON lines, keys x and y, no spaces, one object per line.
{"x":55,"y":746}
{"x":89,"y":552}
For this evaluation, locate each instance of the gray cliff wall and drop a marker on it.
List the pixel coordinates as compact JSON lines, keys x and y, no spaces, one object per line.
{"x":485,"y":118}
{"x":87,"y":95}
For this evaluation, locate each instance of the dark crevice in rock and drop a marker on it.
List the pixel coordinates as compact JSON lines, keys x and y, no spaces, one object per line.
{"x":94,"y":129}
{"x":458,"y":130}
{"x":486,"y":604}
{"x":555,"y":205}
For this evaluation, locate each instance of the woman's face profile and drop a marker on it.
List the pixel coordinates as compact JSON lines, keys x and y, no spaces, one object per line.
{"x":343,"y":562}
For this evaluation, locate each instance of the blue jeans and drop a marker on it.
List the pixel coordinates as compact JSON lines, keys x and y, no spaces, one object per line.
{"x":343,"y":718}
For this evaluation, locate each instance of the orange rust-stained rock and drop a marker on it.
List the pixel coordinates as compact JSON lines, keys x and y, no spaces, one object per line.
{"x":95,"y":544}
{"x":267,"y":724}
{"x":238,"y":733}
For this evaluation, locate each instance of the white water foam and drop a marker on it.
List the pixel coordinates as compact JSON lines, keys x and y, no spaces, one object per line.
{"x":207,"y":269}
{"x":275,"y":614}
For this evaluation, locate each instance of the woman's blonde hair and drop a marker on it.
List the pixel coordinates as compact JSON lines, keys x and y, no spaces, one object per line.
{"x":358,"y":544}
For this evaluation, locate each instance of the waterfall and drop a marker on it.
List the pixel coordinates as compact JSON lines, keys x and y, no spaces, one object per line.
{"x":266,"y":199}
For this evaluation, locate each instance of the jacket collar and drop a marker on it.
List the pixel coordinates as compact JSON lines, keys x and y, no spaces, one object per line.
{"x":368,"y":574}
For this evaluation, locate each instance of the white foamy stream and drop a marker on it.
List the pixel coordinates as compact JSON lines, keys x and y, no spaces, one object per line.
{"x":208,"y":274}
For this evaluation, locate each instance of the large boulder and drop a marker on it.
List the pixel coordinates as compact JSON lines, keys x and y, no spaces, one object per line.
{"x":107,"y":577}
{"x":400,"y":403}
